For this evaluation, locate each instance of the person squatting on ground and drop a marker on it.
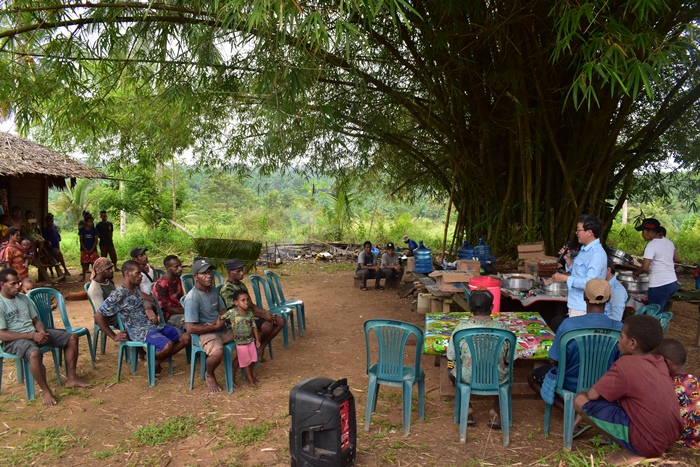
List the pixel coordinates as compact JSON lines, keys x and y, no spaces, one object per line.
{"x":127,"y":301}
{"x":367,"y":267}
{"x":22,"y":332}
{"x":635,"y":402}
{"x":245,"y":332}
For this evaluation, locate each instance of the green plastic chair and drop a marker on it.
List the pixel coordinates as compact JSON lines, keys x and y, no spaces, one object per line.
{"x":258,"y":283}
{"x":597,"y":350}
{"x":652,"y":309}
{"x":125,"y":346}
{"x":390,"y":369}
{"x":24,"y":375}
{"x":187,"y":282}
{"x":159,"y":273}
{"x":42,"y":297}
{"x":217,"y":278}
{"x":278,"y":297}
{"x":665,"y":319}
{"x":97,"y":333}
{"x":485,"y":346}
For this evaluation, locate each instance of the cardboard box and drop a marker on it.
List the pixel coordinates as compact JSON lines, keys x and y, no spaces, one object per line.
{"x":530,"y":264}
{"x":469,"y":265}
{"x":529,"y":250}
{"x":451,"y":281}
{"x":410,"y":263}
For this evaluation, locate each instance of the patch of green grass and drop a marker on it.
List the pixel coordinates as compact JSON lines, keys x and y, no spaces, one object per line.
{"x":106,"y":454}
{"x":11,"y":398}
{"x":389,"y":457}
{"x":49,"y":443}
{"x":579,"y":458}
{"x":98,"y":401}
{"x":250,"y":434}
{"x":165,"y":431}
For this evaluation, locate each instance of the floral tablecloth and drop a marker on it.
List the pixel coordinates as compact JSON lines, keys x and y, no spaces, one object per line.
{"x":533,"y":334}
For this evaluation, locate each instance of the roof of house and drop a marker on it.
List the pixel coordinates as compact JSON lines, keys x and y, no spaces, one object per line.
{"x":19,"y":157}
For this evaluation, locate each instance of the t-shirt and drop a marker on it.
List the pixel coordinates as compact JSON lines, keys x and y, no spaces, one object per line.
{"x":688,"y":393}
{"x":589,"y":320}
{"x":129,"y":305}
{"x":17,"y":314}
{"x":227,"y":291}
{"x":640,"y":384}
{"x":661,"y":270}
{"x":168,"y":293}
{"x":366,"y":259}
{"x":89,"y":237}
{"x":106,"y":230}
{"x":615,"y":308}
{"x":202,"y":307}
{"x":412,"y":245}
{"x":146,"y":281}
{"x":99,"y":291}
{"x":51,"y":234}
{"x":465,"y":353}
{"x":242,"y":326}
{"x":392,"y":260}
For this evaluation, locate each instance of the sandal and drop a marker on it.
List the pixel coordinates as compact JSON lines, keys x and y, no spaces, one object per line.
{"x":363,"y":288}
{"x":494,"y":425}
{"x":471,"y":421}
{"x":580,"y":429}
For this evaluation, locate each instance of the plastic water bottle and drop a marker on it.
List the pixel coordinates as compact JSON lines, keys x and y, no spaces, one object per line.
{"x":483,"y":253}
{"x":424,"y":262}
{"x":465,"y":251}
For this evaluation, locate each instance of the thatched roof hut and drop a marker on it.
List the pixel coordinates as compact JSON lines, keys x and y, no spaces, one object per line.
{"x":20,"y":157}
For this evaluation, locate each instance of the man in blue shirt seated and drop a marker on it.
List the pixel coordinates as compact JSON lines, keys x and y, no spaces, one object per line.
{"x":615,"y":308}
{"x":596,"y":295}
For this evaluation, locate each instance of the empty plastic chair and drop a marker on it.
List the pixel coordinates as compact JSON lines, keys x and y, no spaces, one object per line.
{"x":278,"y":296}
{"x":485,"y":346}
{"x":597,"y":349}
{"x":258,"y":283}
{"x":651,"y":309}
{"x":42,"y":298}
{"x":665,"y":319}
{"x":390,"y":369}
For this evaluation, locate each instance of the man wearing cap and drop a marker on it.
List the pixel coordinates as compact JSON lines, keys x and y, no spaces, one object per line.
{"x":590,"y":263}
{"x":148,"y":274}
{"x":367,"y":267}
{"x":106,"y":230}
{"x":659,"y":256}
{"x":410,"y":245}
{"x":203,"y":310}
{"x":391,"y":266}
{"x":140,"y":323}
{"x":168,"y":291}
{"x":268,"y":324}
{"x":102,"y":285}
{"x":596,"y":295}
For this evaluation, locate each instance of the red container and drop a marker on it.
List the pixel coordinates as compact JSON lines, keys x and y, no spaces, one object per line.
{"x":493,"y":285}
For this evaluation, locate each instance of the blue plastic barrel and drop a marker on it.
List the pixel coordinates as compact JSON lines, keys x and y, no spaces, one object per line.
{"x":423,"y":260}
{"x":465,"y":251}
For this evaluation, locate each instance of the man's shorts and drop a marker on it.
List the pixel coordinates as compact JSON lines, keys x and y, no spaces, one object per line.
{"x":247,"y":354}
{"x":612,"y":419}
{"x":160,"y":337}
{"x":214,"y":341}
{"x":23,"y":348}
{"x":259,"y":323}
{"x":177,"y":320}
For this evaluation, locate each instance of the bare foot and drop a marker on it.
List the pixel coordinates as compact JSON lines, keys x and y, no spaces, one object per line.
{"x":624,"y":457}
{"x":67,"y":273}
{"x":261,"y":356}
{"x":252,"y":383}
{"x":76,"y":383}
{"x":211,"y":383}
{"x":159,"y":368}
{"x":49,"y":400}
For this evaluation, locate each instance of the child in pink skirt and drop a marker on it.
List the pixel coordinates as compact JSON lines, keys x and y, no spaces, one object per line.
{"x":245,"y":334}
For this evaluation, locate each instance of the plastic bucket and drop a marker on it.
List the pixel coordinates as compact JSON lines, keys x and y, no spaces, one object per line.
{"x":493,"y":285}
{"x":424,"y":302}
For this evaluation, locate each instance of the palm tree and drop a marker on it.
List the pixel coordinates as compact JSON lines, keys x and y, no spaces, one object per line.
{"x":73,"y":200}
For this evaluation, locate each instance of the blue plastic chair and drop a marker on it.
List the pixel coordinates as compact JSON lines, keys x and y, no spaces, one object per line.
{"x":22,"y":367}
{"x":485,"y":348}
{"x":187,"y":282}
{"x":665,"y":319}
{"x":390,"y":369}
{"x":597,"y":349}
{"x":217,"y":278}
{"x":125,"y":346}
{"x":259,"y":282}
{"x":97,"y":332}
{"x":652,"y":309}
{"x":42,"y":297}
{"x":278,"y":296}
{"x":159,"y":273}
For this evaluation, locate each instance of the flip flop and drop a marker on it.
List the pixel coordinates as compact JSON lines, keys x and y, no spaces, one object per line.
{"x":494,"y":425}
{"x":471,"y":421}
{"x":580,"y":429}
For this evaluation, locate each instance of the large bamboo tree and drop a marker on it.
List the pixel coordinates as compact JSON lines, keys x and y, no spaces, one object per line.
{"x":536,"y":111}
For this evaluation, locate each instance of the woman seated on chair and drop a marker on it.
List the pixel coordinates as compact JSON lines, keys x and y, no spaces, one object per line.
{"x":481,"y":304}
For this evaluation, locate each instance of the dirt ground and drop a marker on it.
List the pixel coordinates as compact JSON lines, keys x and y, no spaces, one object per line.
{"x":101,"y":421}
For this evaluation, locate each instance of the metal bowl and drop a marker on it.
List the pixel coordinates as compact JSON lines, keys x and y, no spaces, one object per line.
{"x":556,"y":288}
{"x":619,"y":256}
{"x":517,"y":283}
{"x":639,"y":285}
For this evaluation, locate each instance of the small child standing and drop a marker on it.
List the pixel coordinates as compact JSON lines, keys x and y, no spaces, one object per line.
{"x":687,"y":390}
{"x":635,"y":402}
{"x":245,"y":334}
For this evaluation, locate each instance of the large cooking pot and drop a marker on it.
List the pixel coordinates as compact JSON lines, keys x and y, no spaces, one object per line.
{"x":556,"y":288}
{"x":518,"y":283}
{"x":639,"y":285}
{"x":619,"y":256}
